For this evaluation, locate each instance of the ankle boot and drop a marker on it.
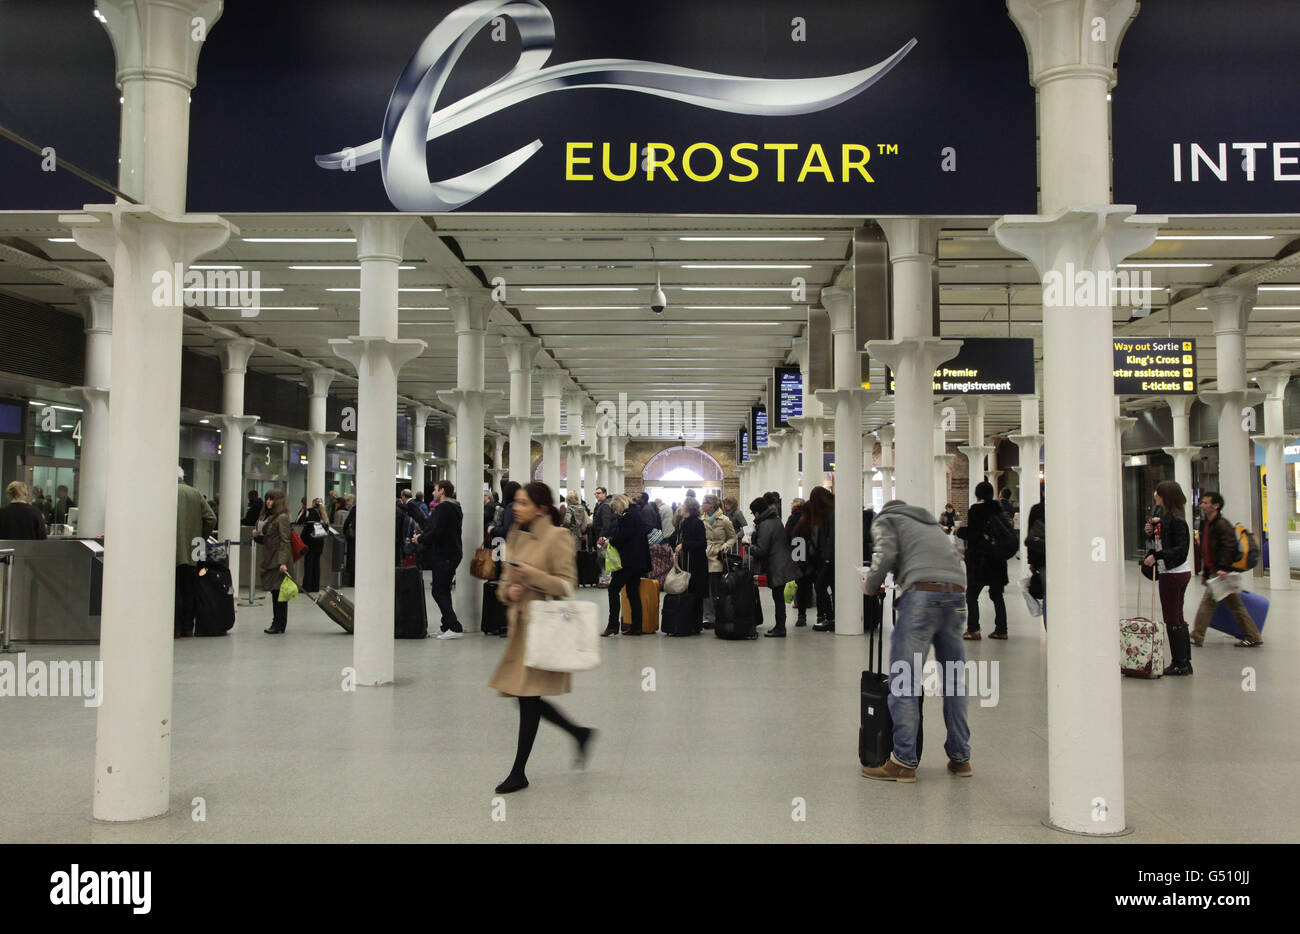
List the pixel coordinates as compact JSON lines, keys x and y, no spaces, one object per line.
{"x":1180,"y":647}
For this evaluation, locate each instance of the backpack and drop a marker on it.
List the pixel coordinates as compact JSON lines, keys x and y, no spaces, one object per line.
{"x":1000,"y":536}
{"x":1247,"y":548}
{"x":1036,"y":544}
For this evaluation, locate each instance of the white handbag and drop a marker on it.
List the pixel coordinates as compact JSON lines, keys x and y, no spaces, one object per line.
{"x":562,"y":635}
{"x":678,"y":580}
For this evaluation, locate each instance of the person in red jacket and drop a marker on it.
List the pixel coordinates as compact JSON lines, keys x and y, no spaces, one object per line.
{"x":1218,"y":551}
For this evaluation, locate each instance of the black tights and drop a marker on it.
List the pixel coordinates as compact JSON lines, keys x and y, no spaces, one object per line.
{"x":532,"y":710}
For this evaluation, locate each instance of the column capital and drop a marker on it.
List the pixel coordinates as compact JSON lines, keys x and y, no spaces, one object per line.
{"x":1023,"y":440}
{"x":100,"y":228}
{"x":1273,"y":384}
{"x":553,"y":383}
{"x":97,"y":309}
{"x":851,"y":396}
{"x":324,"y":437}
{"x":398,"y":351}
{"x":838,"y":303}
{"x":420,"y":414}
{"x":1180,"y":406}
{"x":1230,"y":307}
{"x":319,"y":379}
{"x":1124,"y":422}
{"x":976,"y":406}
{"x":234,"y":354}
{"x":1102,"y":234}
{"x":155,"y":38}
{"x":973,"y":451}
{"x":236,"y":423}
{"x":1189,"y":451}
{"x":1064,"y":38}
{"x":470,"y":309}
{"x":521,"y":352}
{"x":911,"y":238}
{"x":470,"y":396}
{"x":944,"y":459}
{"x":92,"y":394}
{"x":800,"y":348}
{"x":885,"y":434}
{"x":1218,"y":398}
{"x":1267,"y":441}
{"x":381,"y":237}
{"x":935,"y":350}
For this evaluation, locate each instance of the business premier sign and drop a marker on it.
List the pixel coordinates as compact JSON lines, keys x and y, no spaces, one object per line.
{"x":985,"y":366}
{"x":1155,"y":366}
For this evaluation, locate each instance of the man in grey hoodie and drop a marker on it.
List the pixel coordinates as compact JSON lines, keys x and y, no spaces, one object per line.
{"x":908,"y":541}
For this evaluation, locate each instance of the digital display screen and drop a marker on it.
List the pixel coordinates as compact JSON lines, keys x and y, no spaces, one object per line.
{"x":11,"y":420}
{"x":758,"y":423}
{"x":789,"y":394}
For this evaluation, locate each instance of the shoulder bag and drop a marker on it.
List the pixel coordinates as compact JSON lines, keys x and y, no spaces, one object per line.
{"x":482,"y":566}
{"x":678,"y":579}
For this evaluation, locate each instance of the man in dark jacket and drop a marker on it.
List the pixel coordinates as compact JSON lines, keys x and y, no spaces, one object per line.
{"x":195,"y":521}
{"x":983,"y":568}
{"x":908,"y":542}
{"x":650,"y":517}
{"x":20,"y":520}
{"x":629,"y":538}
{"x":602,"y":520}
{"x":771,"y":548}
{"x":409,"y":506}
{"x":441,"y":542}
{"x":1219,"y":550}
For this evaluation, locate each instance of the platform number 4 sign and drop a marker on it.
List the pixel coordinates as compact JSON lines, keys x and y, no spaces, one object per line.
{"x":76,"y":432}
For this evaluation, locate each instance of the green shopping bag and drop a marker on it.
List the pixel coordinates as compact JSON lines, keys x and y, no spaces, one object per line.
{"x":288,"y":590}
{"x":791,"y":587}
{"x":613,"y":562}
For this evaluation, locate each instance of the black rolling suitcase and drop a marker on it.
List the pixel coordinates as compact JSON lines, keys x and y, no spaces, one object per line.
{"x":214,"y":601}
{"x":735,"y":608}
{"x":410,"y":617}
{"x":337,"y":607}
{"x":588,"y":569}
{"x":493,"y":619}
{"x":677,"y":618}
{"x":876,"y":734}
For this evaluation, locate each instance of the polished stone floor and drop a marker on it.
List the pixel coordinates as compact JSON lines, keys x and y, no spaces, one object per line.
{"x":731,"y":735}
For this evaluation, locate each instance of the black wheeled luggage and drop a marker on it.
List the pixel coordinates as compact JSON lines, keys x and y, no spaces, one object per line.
{"x":588,"y":569}
{"x":677,"y":618}
{"x":735,"y":608}
{"x":337,"y":607}
{"x":410,"y":617}
{"x":214,"y":601}
{"x":876,"y":732}
{"x":493,"y":620}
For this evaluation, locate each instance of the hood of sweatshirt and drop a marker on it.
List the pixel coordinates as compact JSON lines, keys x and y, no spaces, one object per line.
{"x":912,"y":512}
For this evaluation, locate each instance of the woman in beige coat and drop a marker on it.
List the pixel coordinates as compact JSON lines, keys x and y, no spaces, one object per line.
{"x":538,"y":565}
{"x":274,"y":556}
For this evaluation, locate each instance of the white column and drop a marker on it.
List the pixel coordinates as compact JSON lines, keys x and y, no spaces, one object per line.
{"x":885,"y":434}
{"x":913,"y":354}
{"x":942,"y":464}
{"x":552,"y":439}
{"x":1071,"y":64}
{"x":521,"y":352}
{"x":1122,"y":424}
{"x":499,"y":470}
{"x":318,"y":384}
{"x":975,"y":450}
{"x":377,"y":354}
{"x":234,"y":423}
{"x":1230,"y":309}
{"x":156,"y":62}
{"x":849,"y":400}
{"x":787,"y":466}
{"x":1274,"y":441}
{"x":811,"y":424}
{"x":470,"y":311}
{"x":1180,"y":410}
{"x":1030,"y":443}
{"x":419,"y":426}
{"x":93,"y":478}
{"x":618,"y":459}
{"x":590,"y":456}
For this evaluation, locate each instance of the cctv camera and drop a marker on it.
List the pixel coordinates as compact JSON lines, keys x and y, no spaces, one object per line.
{"x":659,"y":302}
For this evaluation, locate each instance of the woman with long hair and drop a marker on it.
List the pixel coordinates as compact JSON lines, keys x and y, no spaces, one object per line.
{"x":1171,"y":559}
{"x":274,"y":556}
{"x":539,"y":565}
{"x":817,"y":529}
{"x":312,"y":515}
{"x":629,"y":538}
{"x":691,"y":545}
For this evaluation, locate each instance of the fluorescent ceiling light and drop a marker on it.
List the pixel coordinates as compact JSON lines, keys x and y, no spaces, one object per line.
{"x":257,"y":438}
{"x":590,"y":307}
{"x":423,"y":308}
{"x":580,"y":288}
{"x":738,"y":307}
{"x":224,"y":291}
{"x":741,"y":324}
{"x":1276,"y":308}
{"x":1165,"y":265}
{"x":214,"y":267}
{"x":751,"y":239}
{"x":62,"y":239}
{"x":1140,"y":288}
{"x":267,"y":308}
{"x":1279,"y":288}
{"x":742,"y":266}
{"x":205,"y":421}
{"x":400,"y":290}
{"x":1215,"y":236}
{"x":299,"y":239}
{"x":50,"y":405}
{"x":325,"y":267}
{"x":731,"y":288}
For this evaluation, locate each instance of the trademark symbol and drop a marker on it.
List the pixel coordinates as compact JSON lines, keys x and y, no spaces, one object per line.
{"x":887,"y":149}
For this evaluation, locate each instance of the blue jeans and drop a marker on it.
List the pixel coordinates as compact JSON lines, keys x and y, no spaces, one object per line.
{"x":925,"y":617}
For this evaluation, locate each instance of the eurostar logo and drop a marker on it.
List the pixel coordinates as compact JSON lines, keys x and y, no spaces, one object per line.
{"x":413,"y":118}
